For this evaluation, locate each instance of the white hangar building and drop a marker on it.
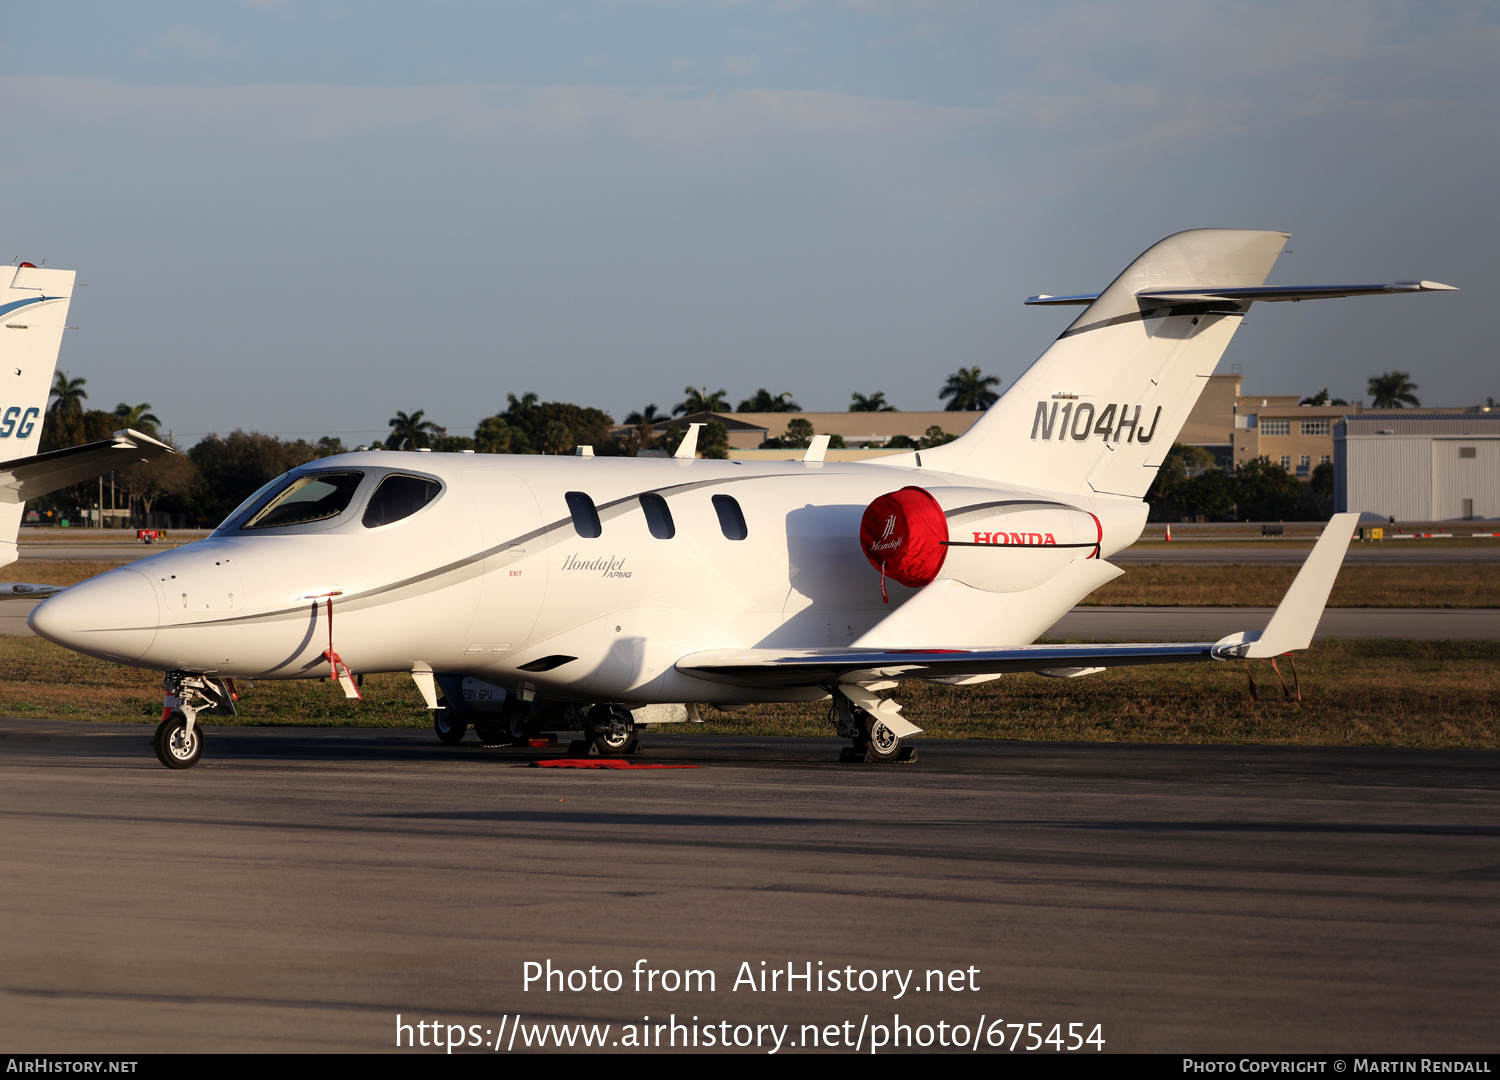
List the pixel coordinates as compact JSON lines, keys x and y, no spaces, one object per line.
{"x":1418,"y":467}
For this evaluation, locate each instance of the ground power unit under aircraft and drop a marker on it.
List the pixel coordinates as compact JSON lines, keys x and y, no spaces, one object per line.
{"x":607,"y":593}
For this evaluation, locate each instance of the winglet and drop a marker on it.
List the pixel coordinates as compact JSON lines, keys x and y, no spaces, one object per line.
{"x":1296,"y":617}
{"x":818,"y":448}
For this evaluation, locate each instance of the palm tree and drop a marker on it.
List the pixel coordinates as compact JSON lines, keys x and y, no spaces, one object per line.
{"x":68,"y":394}
{"x":140,"y":417}
{"x":700,"y":400}
{"x":646,"y":416}
{"x":765,"y":401}
{"x":1322,"y":398}
{"x":1393,"y":390}
{"x":874,"y":403}
{"x":411,"y":432}
{"x":970,"y":390}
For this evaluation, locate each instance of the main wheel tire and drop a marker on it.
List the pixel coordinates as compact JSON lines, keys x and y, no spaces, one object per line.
{"x":450,"y":729}
{"x":491,"y":733}
{"x":881,"y":743}
{"x":516,"y":717}
{"x":175,"y":747}
{"x":612,"y":730}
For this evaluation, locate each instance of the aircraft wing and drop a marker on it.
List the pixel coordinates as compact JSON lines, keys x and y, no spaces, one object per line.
{"x":1291,"y":627}
{"x":30,"y":477}
{"x":819,"y":667}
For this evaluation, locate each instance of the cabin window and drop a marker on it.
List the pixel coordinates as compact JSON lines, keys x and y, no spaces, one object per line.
{"x":658,"y":516}
{"x":585,"y":515}
{"x":731,"y":518}
{"x":309,"y":497}
{"x":399,"y":497}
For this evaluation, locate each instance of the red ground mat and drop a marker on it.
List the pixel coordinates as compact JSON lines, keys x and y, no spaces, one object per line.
{"x":598,"y":763}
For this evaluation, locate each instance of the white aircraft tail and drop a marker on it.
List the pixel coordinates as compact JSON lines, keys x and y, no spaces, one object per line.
{"x":1097,"y":412}
{"x":33,"y":311}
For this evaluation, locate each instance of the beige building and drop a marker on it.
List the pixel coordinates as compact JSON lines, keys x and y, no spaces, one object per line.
{"x":1237,"y":427}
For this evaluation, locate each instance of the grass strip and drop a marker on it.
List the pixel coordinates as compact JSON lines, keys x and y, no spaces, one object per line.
{"x":1458,"y":585}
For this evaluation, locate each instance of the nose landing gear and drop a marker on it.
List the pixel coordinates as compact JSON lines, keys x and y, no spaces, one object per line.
{"x":178,"y":741}
{"x":178,"y":744}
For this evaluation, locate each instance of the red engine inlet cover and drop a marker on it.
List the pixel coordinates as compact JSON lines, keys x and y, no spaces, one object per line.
{"x":904,"y":535}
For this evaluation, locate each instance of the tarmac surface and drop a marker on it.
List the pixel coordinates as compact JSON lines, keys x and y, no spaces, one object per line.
{"x":302,"y":887}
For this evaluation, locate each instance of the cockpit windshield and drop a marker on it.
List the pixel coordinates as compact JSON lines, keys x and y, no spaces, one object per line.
{"x":309,"y":497}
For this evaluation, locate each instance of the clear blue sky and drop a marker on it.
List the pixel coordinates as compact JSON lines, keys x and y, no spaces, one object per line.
{"x":301,"y":217}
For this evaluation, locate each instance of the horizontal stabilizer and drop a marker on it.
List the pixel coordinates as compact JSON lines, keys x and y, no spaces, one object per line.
{"x":1296,"y":618}
{"x":31,"y":477}
{"x":1272,"y":294}
{"x":1269,"y":294}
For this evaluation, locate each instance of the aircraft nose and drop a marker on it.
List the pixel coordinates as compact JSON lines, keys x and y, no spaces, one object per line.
{"x":113,"y":616}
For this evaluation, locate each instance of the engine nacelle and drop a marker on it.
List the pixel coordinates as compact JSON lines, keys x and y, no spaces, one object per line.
{"x":989,"y":540}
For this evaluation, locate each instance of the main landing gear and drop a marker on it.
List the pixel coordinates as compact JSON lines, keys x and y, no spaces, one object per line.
{"x":873,"y":725}
{"x":178,"y":741}
{"x":612,"y":730}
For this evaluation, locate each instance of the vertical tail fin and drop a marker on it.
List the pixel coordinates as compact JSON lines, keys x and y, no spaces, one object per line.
{"x":33,"y":311}
{"x":1099,"y":409}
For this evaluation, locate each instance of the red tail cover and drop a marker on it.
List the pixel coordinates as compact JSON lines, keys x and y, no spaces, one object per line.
{"x":904,"y":536}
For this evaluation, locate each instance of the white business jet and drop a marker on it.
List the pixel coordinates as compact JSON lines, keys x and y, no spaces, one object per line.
{"x":33,"y":315}
{"x":542,"y":593}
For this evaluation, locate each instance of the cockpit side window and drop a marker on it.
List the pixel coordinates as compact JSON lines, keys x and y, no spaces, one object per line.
{"x":308,"y":497}
{"x":585,"y":514}
{"x":397,"y":497}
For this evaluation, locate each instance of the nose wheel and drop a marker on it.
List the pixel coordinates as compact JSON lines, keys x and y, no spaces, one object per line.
{"x":177,"y":745}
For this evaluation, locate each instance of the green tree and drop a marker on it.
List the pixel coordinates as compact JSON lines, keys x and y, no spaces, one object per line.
{"x":969,"y":390}
{"x":532,"y":431}
{"x":698,"y":400}
{"x":140,"y":417}
{"x":444,"y":443}
{"x":1322,"y":398}
{"x":412,"y":432}
{"x":799,"y":434}
{"x":874,"y":403}
{"x":230,"y":469}
{"x":68,"y":395}
{"x":1266,"y":491}
{"x":1321,"y":483}
{"x":713,"y":441}
{"x":1393,"y":390}
{"x":493,"y":436}
{"x":765,"y":401}
{"x":1174,"y":495}
{"x":647,"y":416}
{"x":558,"y":438}
{"x":935,"y":436}
{"x":328,"y":446}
